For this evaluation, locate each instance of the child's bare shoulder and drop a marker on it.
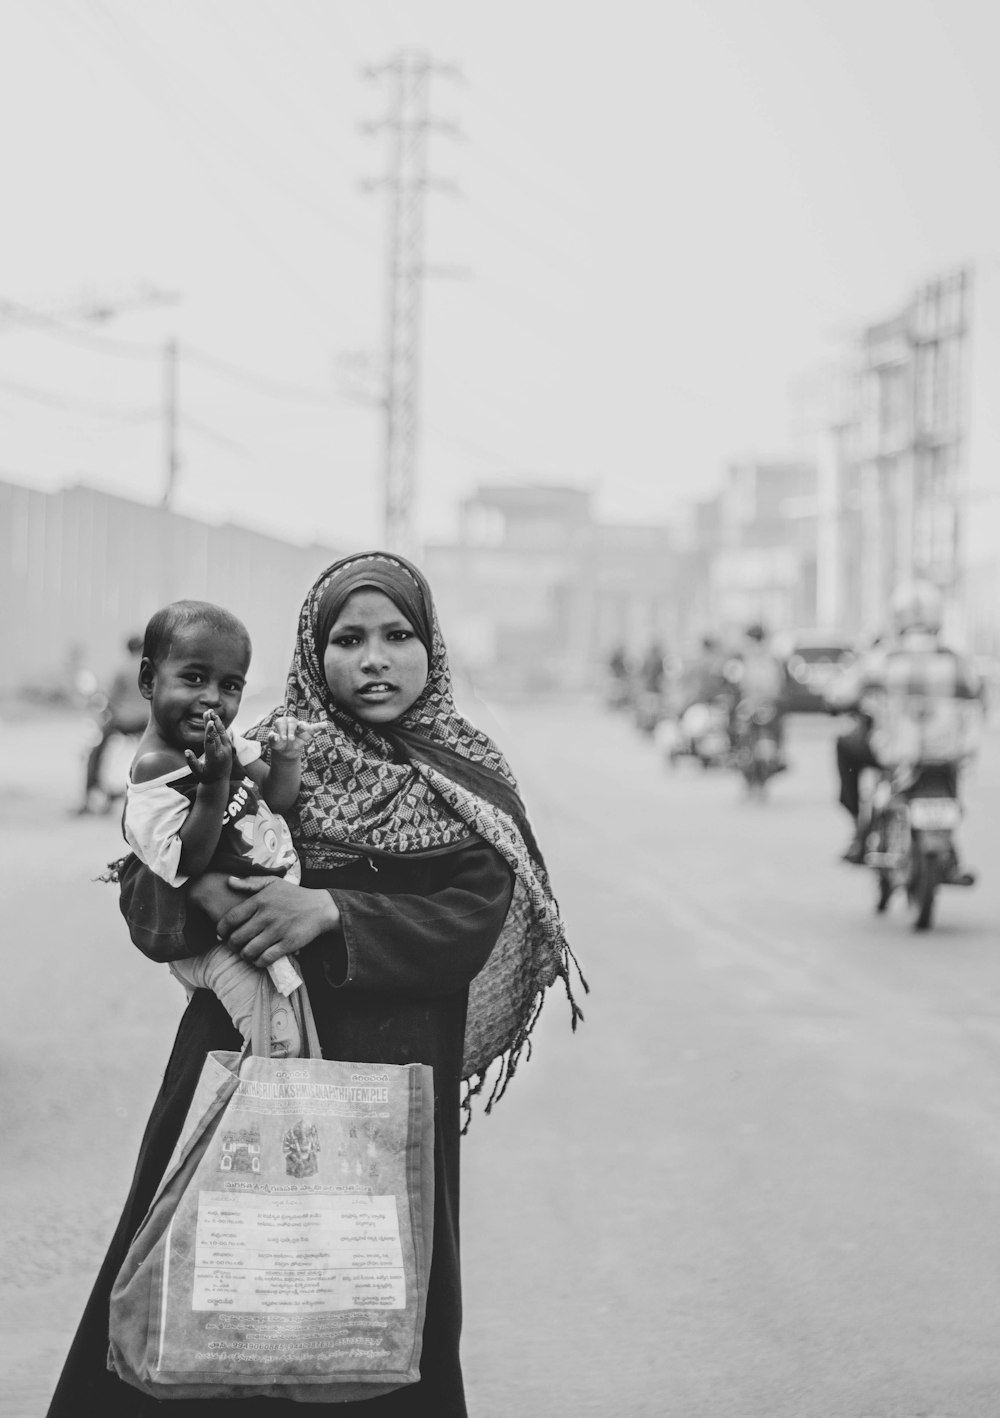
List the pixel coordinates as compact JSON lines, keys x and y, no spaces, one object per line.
{"x":155,"y":762}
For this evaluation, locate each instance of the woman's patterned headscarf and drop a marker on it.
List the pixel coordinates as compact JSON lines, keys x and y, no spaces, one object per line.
{"x":428,"y":781}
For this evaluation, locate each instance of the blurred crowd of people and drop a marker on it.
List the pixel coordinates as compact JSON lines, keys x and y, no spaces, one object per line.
{"x":908,"y":695}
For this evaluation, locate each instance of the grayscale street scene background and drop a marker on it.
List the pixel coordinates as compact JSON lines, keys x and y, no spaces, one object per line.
{"x":631,"y":327}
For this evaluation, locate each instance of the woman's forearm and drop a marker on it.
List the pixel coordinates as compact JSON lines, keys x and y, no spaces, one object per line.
{"x":212,"y":894}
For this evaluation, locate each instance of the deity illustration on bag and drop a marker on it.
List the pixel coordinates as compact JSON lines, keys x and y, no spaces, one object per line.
{"x":300,"y":1145}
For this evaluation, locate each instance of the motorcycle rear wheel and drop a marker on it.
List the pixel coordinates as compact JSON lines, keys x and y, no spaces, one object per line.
{"x":756,"y":782}
{"x":923,"y":892}
{"x":885,"y":890}
{"x":877,"y":840}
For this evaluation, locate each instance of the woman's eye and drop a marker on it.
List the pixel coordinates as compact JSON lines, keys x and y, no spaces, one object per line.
{"x":401,"y":635}
{"x":344,"y":641}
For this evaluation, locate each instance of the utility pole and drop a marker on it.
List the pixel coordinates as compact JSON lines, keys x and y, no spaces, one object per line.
{"x":170,"y":459}
{"x":409,"y":123}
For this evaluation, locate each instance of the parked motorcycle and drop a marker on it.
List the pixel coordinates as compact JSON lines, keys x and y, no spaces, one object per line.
{"x":757,"y":754}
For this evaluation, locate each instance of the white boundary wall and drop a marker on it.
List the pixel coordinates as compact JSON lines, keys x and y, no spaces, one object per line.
{"x":81,"y":570}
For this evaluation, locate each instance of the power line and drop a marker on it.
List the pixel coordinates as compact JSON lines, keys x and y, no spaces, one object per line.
{"x":556,"y":258}
{"x":568,"y":211}
{"x":504,"y":115}
{"x":99,"y":344}
{"x":73,"y":405}
{"x":52,"y":325}
{"x":264,"y":384}
{"x":222,"y":440}
{"x":192,"y":142}
{"x":470,"y":445}
{"x":256,"y":149}
{"x":286,"y":101}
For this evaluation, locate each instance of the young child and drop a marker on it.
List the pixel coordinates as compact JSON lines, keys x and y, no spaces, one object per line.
{"x":200,"y":798}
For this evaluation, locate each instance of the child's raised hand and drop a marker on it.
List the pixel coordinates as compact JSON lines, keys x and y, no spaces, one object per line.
{"x":217,"y":760}
{"x":290,"y":736}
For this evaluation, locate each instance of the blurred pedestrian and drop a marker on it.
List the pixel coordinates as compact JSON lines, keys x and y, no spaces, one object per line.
{"x":125,"y":711}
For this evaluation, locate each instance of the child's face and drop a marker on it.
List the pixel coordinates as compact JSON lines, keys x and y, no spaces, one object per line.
{"x":375,"y":665}
{"x":203,"y":670}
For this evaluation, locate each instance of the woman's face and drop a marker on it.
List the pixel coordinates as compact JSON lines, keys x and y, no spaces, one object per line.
{"x":374,"y":663}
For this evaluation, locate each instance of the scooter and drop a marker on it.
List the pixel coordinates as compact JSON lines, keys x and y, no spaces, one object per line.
{"x":914,"y":814}
{"x":115,"y":749}
{"x":116,"y":760}
{"x":702,"y":733}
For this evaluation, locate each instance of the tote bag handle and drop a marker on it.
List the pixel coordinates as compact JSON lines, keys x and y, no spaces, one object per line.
{"x":259,"y":1042}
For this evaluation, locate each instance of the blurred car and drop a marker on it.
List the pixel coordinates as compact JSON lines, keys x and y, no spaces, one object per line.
{"x":812,"y":660}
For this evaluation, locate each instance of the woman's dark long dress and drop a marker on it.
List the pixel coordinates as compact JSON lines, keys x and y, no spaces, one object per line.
{"x":391,"y":988}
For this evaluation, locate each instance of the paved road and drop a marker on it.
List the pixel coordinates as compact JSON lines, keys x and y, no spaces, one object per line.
{"x":759,"y":1182}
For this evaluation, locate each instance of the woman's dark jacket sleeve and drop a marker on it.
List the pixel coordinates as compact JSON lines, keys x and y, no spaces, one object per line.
{"x":425,"y":928}
{"x":428,"y":940}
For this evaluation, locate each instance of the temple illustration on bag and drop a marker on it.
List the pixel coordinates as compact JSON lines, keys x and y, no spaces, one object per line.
{"x":240,"y":1150}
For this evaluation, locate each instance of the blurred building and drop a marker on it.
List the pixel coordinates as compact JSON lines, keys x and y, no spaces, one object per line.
{"x":910,"y":460}
{"x":81,"y":570}
{"x":535,"y":592}
{"x":750,"y":552}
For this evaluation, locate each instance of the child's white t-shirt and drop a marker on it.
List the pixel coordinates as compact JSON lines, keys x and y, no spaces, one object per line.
{"x":155,"y":812}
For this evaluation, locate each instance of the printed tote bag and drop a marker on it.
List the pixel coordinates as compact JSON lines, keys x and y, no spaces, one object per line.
{"x":287,"y":1250}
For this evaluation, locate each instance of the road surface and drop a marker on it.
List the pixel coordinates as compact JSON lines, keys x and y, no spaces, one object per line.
{"x":761,"y":1179}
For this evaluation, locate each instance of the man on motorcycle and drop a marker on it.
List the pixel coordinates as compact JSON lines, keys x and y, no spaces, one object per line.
{"x":761,"y":685}
{"x":703,"y":678}
{"x":910,"y":667}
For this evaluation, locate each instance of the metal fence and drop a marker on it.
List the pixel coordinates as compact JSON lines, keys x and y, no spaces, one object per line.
{"x":81,"y":570}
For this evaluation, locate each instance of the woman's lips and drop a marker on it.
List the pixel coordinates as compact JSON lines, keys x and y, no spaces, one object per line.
{"x":380,"y":689}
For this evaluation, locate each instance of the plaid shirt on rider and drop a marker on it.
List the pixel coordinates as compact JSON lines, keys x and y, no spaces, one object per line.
{"x":914,"y":692}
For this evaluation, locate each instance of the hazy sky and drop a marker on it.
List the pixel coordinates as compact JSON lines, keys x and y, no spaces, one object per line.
{"x":669,"y":213}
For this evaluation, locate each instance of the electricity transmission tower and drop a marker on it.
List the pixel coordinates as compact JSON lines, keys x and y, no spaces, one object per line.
{"x":409,"y":124}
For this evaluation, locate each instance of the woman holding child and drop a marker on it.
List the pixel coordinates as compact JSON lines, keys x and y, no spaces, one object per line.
{"x":424,"y":928}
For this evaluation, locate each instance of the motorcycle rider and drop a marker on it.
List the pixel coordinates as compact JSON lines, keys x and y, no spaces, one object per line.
{"x":761,"y":685}
{"x":618,"y":675}
{"x":912,"y":661}
{"x":704,"y":678}
{"x":651,"y":683}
